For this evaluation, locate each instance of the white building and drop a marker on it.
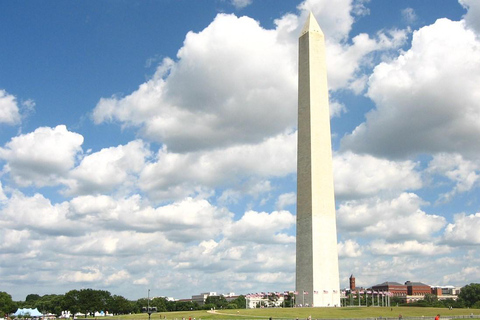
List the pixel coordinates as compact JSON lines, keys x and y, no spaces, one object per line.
{"x":202,"y":297}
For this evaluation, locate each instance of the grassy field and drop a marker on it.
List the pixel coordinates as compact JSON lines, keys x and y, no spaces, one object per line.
{"x":303,"y":313}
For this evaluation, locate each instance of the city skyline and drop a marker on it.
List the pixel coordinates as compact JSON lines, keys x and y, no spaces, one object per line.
{"x":152,"y":145}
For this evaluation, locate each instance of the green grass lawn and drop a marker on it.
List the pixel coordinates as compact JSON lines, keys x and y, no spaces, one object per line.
{"x":303,"y":313}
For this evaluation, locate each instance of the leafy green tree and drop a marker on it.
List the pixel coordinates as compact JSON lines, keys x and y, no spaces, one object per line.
{"x":289,"y":299}
{"x":171,"y":306}
{"x":6,"y":304}
{"x":31,"y":299}
{"x":71,"y":301}
{"x":50,"y":303}
{"x":430,"y":299}
{"x":208,"y":306}
{"x":159,"y":303}
{"x":120,"y":305}
{"x":186,"y":306}
{"x":453,"y":303}
{"x":240,"y":302}
{"x":93,"y":300}
{"x":219,"y":301}
{"x":396,"y":301}
{"x":140,"y":304}
{"x":470,"y":294}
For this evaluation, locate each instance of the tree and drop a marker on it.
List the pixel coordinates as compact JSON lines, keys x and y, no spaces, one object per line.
{"x":186,"y":306}
{"x":241,"y":302}
{"x":140,"y":304}
{"x":218,"y":301}
{"x":49,"y":303}
{"x":71,"y":301}
{"x":289,"y":300}
{"x":31,"y":299}
{"x":430,"y":299}
{"x":6,"y":304}
{"x":120,"y":305}
{"x":470,"y":294}
{"x":93,"y":300}
{"x":396,"y":301}
{"x":447,"y":303}
{"x":159,"y":303}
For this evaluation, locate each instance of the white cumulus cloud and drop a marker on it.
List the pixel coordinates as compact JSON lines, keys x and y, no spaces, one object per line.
{"x":262,"y":227}
{"x":472,"y":17}
{"x":349,"y":248}
{"x":397,"y":219}
{"x":174,"y":175}
{"x":239,"y":90}
{"x":365,"y":175}
{"x":464,"y":173}
{"x":109,"y":168}
{"x":42,"y":157}
{"x":9,"y":111}
{"x":464,"y":230}
{"x":286,"y":199}
{"x":427,"y":99}
{"x":409,"y":247}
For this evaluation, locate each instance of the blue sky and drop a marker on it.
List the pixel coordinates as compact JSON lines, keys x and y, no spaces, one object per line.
{"x":152,"y":144}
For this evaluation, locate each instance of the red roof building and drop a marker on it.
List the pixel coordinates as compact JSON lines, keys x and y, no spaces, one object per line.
{"x":394,"y":288}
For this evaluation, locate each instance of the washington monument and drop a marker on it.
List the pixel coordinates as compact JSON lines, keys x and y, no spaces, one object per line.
{"x":317,"y":278}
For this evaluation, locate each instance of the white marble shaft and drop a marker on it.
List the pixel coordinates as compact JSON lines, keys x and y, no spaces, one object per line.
{"x":317,"y":256}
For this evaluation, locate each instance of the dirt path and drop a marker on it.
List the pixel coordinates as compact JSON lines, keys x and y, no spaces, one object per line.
{"x":233,"y":314}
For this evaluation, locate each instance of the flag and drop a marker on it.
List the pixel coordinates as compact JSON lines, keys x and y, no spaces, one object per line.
{"x":305,"y":292}
{"x":296,"y":292}
{"x":325,"y":291}
{"x":335,"y":291}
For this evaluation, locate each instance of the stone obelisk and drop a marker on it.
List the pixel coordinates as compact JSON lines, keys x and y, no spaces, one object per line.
{"x":317,"y":278}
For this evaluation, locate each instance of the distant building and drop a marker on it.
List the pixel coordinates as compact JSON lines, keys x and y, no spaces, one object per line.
{"x":230,"y":296}
{"x":382,"y":293}
{"x":170,"y":298}
{"x":202,"y":297}
{"x":449,"y":290}
{"x":416,"y":291}
{"x":394,"y":288}
{"x":352,"y":283}
{"x":417,"y":288}
{"x":437,"y":291}
{"x":446,"y":292}
{"x":255,"y":300}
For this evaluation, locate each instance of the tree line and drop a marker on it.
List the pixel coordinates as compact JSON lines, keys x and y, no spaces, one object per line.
{"x":88,"y":301}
